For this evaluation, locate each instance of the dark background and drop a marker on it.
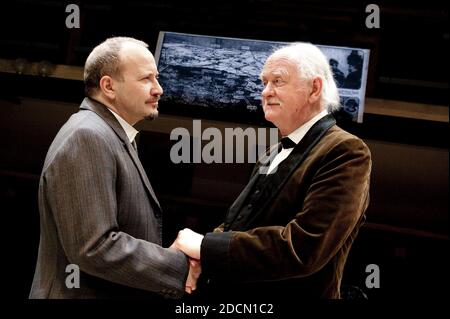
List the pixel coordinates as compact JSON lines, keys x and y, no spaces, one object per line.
{"x":406,"y":233}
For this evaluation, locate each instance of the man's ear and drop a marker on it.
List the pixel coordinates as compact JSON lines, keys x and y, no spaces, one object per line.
{"x":107,"y":87}
{"x":316,"y":90}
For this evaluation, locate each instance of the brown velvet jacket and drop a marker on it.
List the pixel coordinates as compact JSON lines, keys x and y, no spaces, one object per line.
{"x":297,"y":243}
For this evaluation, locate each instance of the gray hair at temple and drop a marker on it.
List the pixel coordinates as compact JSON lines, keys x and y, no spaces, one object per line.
{"x":105,"y":60}
{"x":312,"y":63}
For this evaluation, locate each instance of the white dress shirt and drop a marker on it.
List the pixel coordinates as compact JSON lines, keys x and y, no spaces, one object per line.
{"x":296,"y":136}
{"x":129,"y":130}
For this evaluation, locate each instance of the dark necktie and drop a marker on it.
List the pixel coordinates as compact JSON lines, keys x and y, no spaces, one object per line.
{"x":287,"y":143}
{"x":134,"y":144}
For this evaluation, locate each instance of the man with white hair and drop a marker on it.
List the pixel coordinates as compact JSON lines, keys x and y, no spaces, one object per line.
{"x":289,"y":232}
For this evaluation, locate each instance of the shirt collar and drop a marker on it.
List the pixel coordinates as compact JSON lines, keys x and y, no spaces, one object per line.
{"x":129,"y":130}
{"x":297,"y":135}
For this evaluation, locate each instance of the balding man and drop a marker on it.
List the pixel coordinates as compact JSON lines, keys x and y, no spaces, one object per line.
{"x":99,"y":213}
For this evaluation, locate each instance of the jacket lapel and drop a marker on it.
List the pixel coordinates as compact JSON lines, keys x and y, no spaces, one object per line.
{"x":108,"y":117}
{"x":294,"y":160}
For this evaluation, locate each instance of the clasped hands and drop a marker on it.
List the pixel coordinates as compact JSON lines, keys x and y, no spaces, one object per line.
{"x":189,"y":242}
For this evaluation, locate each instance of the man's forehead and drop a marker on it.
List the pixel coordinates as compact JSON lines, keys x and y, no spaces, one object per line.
{"x":148,"y":69}
{"x":135,"y":53}
{"x":141,"y":60}
{"x":277,"y":66}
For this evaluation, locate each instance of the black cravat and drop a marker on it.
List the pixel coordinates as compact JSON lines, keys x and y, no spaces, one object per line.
{"x":287,"y":143}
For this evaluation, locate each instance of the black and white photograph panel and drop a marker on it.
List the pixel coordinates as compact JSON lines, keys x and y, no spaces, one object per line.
{"x":350,"y":71}
{"x":223,"y":73}
{"x":350,"y":106}
{"x":212,"y":72}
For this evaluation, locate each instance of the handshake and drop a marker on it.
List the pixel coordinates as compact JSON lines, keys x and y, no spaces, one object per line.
{"x":189,"y":242}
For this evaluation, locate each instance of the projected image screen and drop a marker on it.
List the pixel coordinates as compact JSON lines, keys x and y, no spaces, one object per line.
{"x":219,"y":75}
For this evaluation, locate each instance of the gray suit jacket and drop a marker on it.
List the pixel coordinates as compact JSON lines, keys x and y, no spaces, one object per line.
{"x":98,"y":211}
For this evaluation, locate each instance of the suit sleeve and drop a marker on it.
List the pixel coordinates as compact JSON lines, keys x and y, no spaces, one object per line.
{"x":333,"y":207}
{"x":80,"y":191}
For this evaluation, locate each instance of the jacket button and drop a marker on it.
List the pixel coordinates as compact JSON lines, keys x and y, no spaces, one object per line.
{"x":249,"y":206}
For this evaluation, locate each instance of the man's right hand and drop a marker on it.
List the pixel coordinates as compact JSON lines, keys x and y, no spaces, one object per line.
{"x":195,"y":270}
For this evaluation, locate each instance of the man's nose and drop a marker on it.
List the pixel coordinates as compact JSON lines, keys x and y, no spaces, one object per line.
{"x":157,"y":89}
{"x":268,"y":91}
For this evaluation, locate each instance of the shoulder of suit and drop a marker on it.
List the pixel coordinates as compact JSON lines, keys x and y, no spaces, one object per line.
{"x":84,"y":127}
{"x":90,"y":122}
{"x":337,"y":136}
{"x":78,"y":136}
{"x":338,"y":133}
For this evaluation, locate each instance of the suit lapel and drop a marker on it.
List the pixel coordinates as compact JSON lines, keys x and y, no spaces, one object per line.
{"x":108,"y":117}
{"x":142,"y":173}
{"x":294,"y":160}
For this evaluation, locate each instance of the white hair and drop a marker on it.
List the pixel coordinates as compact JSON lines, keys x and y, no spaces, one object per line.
{"x":312,"y":63}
